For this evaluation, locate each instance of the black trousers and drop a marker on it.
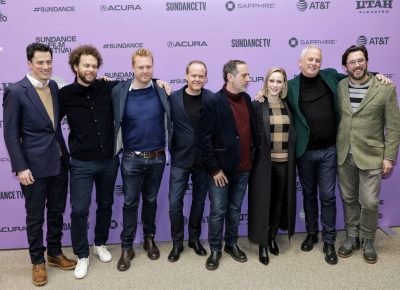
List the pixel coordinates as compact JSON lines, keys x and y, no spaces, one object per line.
{"x":51,"y":193}
{"x":278,"y":191}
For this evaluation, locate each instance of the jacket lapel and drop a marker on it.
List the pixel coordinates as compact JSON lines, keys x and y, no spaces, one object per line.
{"x":344,"y":88}
{"x":56,"y":107}
{"x":371,"y":93}
{"x":123,"y":95}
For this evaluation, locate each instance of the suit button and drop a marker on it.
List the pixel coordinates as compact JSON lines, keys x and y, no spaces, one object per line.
{"x":237,"y":137}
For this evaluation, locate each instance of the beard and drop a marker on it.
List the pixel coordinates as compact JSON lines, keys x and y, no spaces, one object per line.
{"x":85,"y":79}
{"x":359,"y":76}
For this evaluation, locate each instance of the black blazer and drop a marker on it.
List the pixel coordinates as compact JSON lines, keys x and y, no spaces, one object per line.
{"x":218,"y":137}
{"x":184,"y":152}
{"x":32,"y":141}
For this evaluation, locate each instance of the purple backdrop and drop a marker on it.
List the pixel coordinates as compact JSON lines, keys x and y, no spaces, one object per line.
{"x":263,"y":33}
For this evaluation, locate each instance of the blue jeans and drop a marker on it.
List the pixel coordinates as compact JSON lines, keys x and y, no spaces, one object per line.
{"x":140,"y":175}
{"x":225,"y":206}
{"x":317,"y":173}
{"x":84,"y":174}
{"x":178,"y":183}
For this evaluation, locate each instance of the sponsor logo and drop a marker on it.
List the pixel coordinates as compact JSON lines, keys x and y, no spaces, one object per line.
{"x":178,"y":81}
{"x":186,"y":6}
{"x":390,"y":76}
{"x":118,"y":190}
{"x":231,"y":5}
{"x":114,"y":224}
{"x":251,"y":42}
{"x":293,"y":42}
{"x":303,"y":5}
{"x":256,"y":79}
{"x":12,"y":194}
{"x":119,"y":76}
{"x":3,"y":18}
{"x":374,"y":6}
{"x":377,"y":40}
{"x":53,"y":9}
{"x":204,"y":219}
{"x":123,"y":45}
{"x":4,"y":159}
{"x":13,"y":229}
{"x":186,"y":43}
{"x":120,"y":7}
{"x":2,"y":1}
{"x":244,"y":217}
{"x":185,"y":220}
{"x":298,"y":186}
{"x":59,"y":44}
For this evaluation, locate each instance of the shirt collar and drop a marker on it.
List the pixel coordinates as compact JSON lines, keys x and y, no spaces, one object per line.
{"x":36,"y":83}
{"x":132,"y":87}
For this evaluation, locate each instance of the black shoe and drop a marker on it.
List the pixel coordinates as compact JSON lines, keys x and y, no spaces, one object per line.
{"x":198,"y":248}
{"x":175,"y":253}
{"x":330,"y":254}
{"x":272,"y":245}
{"x":348,"y":247}
{"x":212,"y":262}
{"x":309,"y":242}
{"x":263,"y":254}
{"x":236,"y":253}
{"x":369,"y":253}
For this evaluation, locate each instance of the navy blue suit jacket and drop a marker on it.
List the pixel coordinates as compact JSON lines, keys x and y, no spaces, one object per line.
{"x":32,"y":141}
{"x":184,"y":152}
{"x":218,"y":137}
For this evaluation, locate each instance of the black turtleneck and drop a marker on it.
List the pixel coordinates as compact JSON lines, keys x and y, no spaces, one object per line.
{"x":316,"y":104}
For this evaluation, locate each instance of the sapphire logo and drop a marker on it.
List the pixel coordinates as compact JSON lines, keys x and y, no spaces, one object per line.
{"x":293,"y":42}
{"x":118,"y":8}
{"x":377,"y":40}
{"x":374,"y":6}
{"x":186,"y":43}
{"x":230,"y":5}
{"x":303,"y":5}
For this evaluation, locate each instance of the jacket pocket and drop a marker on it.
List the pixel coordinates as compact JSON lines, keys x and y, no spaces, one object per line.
{"x":375,"y":143}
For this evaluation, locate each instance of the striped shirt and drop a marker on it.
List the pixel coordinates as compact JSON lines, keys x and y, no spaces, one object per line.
{"x":279,"y":130}
{"x":357,"y":93}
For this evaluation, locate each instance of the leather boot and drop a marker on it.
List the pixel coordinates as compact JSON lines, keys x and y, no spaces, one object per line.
{"x":272,"y":245}
{"x":263,"y":254}
{"x":124,"y":261}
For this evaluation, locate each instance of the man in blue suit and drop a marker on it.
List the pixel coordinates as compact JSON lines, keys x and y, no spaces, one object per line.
{"x":142,"y":128}
{"x":39,"y":157}
{"x":186,"y":105}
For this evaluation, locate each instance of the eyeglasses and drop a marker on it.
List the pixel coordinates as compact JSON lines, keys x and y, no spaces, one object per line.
{"x":360,"y":61}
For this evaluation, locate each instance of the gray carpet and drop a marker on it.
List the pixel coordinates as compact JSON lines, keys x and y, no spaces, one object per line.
{"x":292,"y":269}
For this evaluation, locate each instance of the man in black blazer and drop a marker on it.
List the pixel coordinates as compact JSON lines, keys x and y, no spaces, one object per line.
{"x":226,"y":131}
{"x":39,"y":157}
{"x":186,"y":105}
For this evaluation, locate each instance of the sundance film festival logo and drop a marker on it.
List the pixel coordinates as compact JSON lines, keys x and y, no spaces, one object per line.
{"x":231,"y":5}
{"x":119,"y":76}
{"x":59,"y":44}
{"x":123,"y":45}
{"x":303,"y":5}
{"x":53,"y":9}
{"x":185,"y":6}
{"x":374,"y":6}
{"x":250,"y":42}
{"x":120,"y":7}
{"x":377,"y":40}
{"x":293,"y":42}
{"x":186,"y":43}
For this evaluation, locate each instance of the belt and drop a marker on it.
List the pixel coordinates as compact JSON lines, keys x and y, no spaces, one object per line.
{"x":148,"y":155}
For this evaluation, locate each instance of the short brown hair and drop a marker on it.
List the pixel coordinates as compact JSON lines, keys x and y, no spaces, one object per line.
{"x":87,"y":49}
{"x":143,"y":52}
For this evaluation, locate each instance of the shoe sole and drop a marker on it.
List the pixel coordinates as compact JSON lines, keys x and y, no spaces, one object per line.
{"x":39,"y":283}
{"x":58,"y":266}
{"x":198,"y":253}
{"x":345,"y":256}
{"x":211,"y":268}
{"x":236,"y":259}
{"x":370,"y":262}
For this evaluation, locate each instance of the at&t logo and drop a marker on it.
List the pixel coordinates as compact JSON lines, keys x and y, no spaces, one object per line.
{"x":303,"y":5}
{"x":377,"y":40}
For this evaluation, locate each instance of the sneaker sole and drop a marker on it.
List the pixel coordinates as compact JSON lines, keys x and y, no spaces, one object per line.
{"x":58,"y":266}
{"x":39,"y":283}
{"x":97,"y":254}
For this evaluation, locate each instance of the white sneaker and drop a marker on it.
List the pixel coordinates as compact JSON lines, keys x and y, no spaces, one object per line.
{"x":101,"y":251}
{"x":81,"y":268}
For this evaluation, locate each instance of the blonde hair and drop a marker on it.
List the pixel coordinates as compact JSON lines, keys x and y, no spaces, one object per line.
{"x":275,"y":69}
{"x":143,"y":52}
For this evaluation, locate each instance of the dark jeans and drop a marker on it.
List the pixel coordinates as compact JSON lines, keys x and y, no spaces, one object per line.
{"x":317,"y":172}
{"x":84,"y":174}
{"x":278,"y":192}
{"x":225,"y":206}
{"x":177,"y":187}
{"x":140,"y":175}
{"x":51,"y":193}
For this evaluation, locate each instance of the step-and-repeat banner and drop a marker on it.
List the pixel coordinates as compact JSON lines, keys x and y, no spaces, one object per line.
{"x":264,"y":33}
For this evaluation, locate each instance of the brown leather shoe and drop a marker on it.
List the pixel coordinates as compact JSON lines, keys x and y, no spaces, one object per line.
{"x":61,"y":261}
{"x":150,"y":247}
{"x":39,"y":275}
{"x":124,"y":261}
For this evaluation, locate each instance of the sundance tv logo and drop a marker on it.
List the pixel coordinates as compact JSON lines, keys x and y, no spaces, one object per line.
{"x":303,"y":5}
{"x":231,"y":5}
{"x":374,"y":6}
{"x":293,"y":42}
{"x":185,"y":6}
{"x":120,"y":7}
{"x":250,"y":42}
{"x":377,"y":40}
{"x":186,"y":43}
